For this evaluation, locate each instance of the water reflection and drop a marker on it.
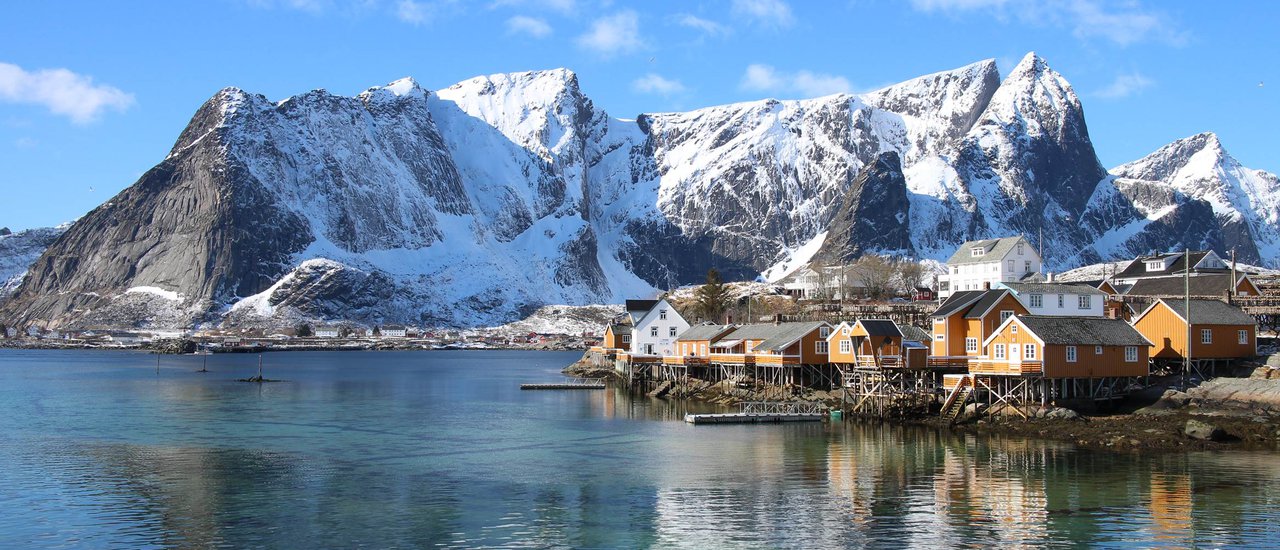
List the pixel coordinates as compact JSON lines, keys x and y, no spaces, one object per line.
{"x":442,"y":450}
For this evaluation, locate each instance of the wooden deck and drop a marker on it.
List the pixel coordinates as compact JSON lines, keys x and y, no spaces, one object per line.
{"x":565,"y":386}
{"x":753,"y":418}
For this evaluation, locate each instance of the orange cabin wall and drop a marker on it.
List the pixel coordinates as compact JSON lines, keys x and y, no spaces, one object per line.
{"x":1169,"y":334}
{"x":1053,"y":358}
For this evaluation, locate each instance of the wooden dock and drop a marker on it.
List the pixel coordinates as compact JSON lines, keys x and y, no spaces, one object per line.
{"x":753,"y":418}
{"x":565,"y":386}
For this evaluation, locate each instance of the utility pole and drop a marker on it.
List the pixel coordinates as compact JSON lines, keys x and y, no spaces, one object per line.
{"x":1186,"y":281}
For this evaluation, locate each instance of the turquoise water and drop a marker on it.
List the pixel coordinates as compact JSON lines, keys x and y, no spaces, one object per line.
{"x":441,"y":449}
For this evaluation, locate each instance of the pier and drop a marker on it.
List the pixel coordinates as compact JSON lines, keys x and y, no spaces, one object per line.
{"x":764,"y":412}
{"x":575,"y":385}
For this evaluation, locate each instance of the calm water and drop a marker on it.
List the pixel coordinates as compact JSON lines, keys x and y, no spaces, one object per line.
{"x":443,"y":449}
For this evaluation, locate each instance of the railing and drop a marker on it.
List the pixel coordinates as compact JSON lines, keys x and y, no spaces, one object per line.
{"x":782,"y":407}
{"x":733,"y":358}
{"x":767,"y":359}
{"x":993,"y":366}
{"x":684,"y":360}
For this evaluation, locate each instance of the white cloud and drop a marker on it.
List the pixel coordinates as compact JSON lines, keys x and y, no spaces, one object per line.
{"x":654,"y":83}
{"x":61,"y":91}
{"x":1125,"y":85}
{"x":414,"y":13}
{"x":707,"y":27}
{"x":1122,"y":23}
{"x":764,"y":78}
{"x":532,"y":26}
{"x":768,"y":13}
{"x":612,"y":35}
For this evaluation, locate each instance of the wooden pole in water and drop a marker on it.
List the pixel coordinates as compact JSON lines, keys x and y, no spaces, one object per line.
{"x":157,"y":362}
{"x":259,"y":367}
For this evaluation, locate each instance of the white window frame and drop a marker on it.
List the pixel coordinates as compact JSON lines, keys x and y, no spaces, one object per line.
{"x":1242,"y":336}
{"x":1029,"y":351}
{"x":1013,"y":329}
{"x":1061,"y":301}
{"x":1097,"y":350}
{"x":662,"y":314}
{"x":824,"y":332}
{"x":1071,"y":354}
{"x":1026,"y":266}
{"x":1019,"y":249}
{"x":846,"y":346}
{"x":626,"y":338}
{"x":971,"y":345}
{"x":653,"y":331}
{"x":977,"y":251}
{"x":998,"y":351}
{"x":940,"y":337}
{"x":1084,"y":301}
{"x":1005,"y":314}
{"x":821,"y":347}
{"x":1131,"y":354}
{"x":1206,"y":336}
{"x":671,"y":331}
{"x":704,"y":349}
{"x":1155,"y":265}
{"x":750,"y":347}
{"x":1037,"y":300}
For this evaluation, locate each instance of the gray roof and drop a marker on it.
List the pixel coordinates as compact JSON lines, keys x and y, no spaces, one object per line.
{"x":880,"y":327}
{"x":773,"y":336}
{"x":705,"y":331}
{"x":957,"y":301}
{"x":985,"y":303}
{"x":621,"y":329}
{"x":1086,"y":331}
{"x":1211,"y":312}
{"x":995,"y":248}
{"x":1051,"y":288}
{"x":912,"y":332}
{"x":1138,"y":267}
{"x":1201,"y":285}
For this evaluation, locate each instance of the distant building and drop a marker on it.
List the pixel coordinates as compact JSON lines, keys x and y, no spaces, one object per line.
{"x":1171,"y":264}
{"x":394,"y":331}
{"x":654,"y":329}
{"x":979,"y":265}
{"x":327,"y":332}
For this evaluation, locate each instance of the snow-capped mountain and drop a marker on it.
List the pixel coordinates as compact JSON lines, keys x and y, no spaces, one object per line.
{"x":19,"y":250}
{"x":479,"y":203}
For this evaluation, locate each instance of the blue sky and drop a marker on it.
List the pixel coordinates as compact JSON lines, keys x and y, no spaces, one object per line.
{"x":92,"y":94}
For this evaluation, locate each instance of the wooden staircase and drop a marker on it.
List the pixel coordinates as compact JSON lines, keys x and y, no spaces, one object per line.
{"x":953,"y":407}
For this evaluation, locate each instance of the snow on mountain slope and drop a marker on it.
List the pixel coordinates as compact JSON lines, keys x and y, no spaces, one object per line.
{"x":480,"y":203}
{"x":19,"y":250}
{"x":1246,"y":202}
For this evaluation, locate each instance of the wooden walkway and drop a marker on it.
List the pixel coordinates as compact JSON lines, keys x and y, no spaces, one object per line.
{"x":753,"y":418}
{"x":565,"y":386}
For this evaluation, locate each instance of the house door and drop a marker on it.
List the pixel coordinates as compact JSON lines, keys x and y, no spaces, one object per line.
{"x":648,"y":349}
{"x":1015,"y":354}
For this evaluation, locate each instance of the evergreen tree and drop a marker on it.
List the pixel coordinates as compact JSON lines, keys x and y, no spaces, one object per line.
{"x":303,"y":331}
{"x":713,"y":297}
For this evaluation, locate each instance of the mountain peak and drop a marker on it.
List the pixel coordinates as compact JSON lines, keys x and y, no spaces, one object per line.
{"x":1199,"y":155}
{"x":404,"y":87}
{"x":1031,"y":64}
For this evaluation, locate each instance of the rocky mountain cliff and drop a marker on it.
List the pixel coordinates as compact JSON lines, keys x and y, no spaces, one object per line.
{"x":481,"y":202}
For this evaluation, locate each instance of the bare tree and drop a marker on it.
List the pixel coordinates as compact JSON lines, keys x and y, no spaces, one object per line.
{"x":876,"y":275}
{"x":911,"y":273}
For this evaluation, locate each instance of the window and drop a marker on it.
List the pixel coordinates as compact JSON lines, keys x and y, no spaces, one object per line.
{"x":1019,"y":249}
{"x":1061,"y":301}
{"x":1097,"y":350}
{"x":845,"y":330}
{"x":824,"y":332}
{"x":1037,"y":300}
{"x":1156,"y":265}
{"x":1206,"y":336}
{"x":1026,"y":266}
{"x":626,"y":338}
{"x":704,"y":349}
{"x":970,"y":345}
{"x":1013,"y":329}
{"x":1131,"y":354}
{"x":977,"y":251}
{"x":1243,"y":336}
{"x":672,"y":332}
{"x":955,"y":270}
{"x":1011,"y":266}
{"x":1071,"y":354}
{"x":1005,"y":315}
{"x":821,"y":347}
{"x":1030,"y":351}
{"x":662,"y":314}
{"x":846,"y":346}
{"x":684,"y":349}
{"x":941,"y":338}
{"x":750,"y":346}
{"x":1085,"y":301}
{"x":998,"y":349}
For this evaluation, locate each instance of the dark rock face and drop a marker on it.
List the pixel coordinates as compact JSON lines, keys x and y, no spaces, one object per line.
{"x":875,"y":214}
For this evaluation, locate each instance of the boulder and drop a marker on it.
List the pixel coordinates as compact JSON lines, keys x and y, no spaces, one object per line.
{"x":1062,"y":413}
{"x":1175,"y":398}
{"x":1204,"y":431}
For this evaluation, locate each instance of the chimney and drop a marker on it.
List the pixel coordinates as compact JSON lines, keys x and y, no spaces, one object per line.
{"x":1050,"y":277}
